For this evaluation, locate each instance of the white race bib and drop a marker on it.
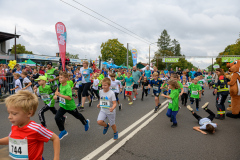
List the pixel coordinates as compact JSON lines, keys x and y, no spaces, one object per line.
{"x":62,"y":100}
{"x":145,"y":87}
{"x":170,"y":100}
{"x":18,"y":148}
{"x":104,"y":103}
{"x":113,"y":88}
{"x":195,"y":92}
{"x":155,"y":88}
{"x":79,"y":83}
{"x":45,"y":97}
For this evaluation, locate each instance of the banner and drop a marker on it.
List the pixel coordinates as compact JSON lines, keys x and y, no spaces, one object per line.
{"x":62,"y":40}
{"x":134,"y":56}
{"x":170,"y":60}
{"x":229,"y":59}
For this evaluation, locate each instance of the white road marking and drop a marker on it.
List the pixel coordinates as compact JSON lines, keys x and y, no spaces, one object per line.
{"x":111,"y":141}
{"x":122,"y":142}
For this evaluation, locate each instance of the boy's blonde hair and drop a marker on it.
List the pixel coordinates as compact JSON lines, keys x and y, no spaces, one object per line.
{"x":112,"y":75}
{"x":16,"y":74}
{"x":64,"y":74}
{"x":25,"y":100}
{"x":106,"y":80}
{"x":155,"y":74}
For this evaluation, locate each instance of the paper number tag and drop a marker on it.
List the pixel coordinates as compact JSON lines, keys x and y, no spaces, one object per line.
{"x":170,"y":100}
{"x":62,"y":100}
{"x":145,"y":87}
{"x":45,"y":97}
{"x":104,"y":104}
{"x":113,"y":88}
{"x":18,"y":148}
{"x":195,"y":92}
{"x":155,"y":88}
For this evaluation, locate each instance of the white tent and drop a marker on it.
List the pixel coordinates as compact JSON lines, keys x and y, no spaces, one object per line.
{"x":146,"y":67}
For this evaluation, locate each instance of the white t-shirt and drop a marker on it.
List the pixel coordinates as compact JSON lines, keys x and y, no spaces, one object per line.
{"x":115,"y":86}
{"x":204,"y":122}
{"x":107,"y":98}
{"x":95,"y":84}
{"x":25,"y":81}
{"x":19,"y":84}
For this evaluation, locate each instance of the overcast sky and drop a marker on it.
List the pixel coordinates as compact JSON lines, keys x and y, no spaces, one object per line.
{"x":202,"y":27}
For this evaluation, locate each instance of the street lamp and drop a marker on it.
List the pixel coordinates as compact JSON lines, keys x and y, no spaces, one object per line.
{"x":149,"y":51}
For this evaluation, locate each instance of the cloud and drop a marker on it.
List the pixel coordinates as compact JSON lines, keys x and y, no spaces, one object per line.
{"x":202,"y":27}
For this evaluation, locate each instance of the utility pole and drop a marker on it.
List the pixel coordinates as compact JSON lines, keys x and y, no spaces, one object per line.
{"x":15,"y":45}
{"x":127,"y":55}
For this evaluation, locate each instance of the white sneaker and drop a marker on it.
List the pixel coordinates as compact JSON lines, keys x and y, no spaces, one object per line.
{"x":189,"y":108}
{"x":134,"y":99}
{"x":205,"y":105}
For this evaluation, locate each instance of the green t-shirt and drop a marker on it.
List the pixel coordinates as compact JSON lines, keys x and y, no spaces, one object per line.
{"x":64,"y":103}
{"x":120,"y":79}
{"x":173,"y":102}
{"x":181,"y":86}
{"x":100,"y":78}
{"x":201,"y":82}
{"x":209,"y":79}
{"x":46,"y":94}
{"x":51,"y":74}
{"x":164,"y":87}
{"x":70,"y":83}
{"x":194,"y":88}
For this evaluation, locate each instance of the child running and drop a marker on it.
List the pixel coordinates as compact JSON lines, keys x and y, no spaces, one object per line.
{"x":156,"y":83}
{"x":115,"y":88}
{"x":173,"y":106}
{"x":145,"y":84}
{"x":195,"y":92}
{"x":95,"y":84}
{"x":67,"y":104}
{"x":108,"y":105}
{"x":184,"y":96}
{"x":205,"y":123}
{"x":26,"y":82}
{"x":18,"y":84}
{"x":129,"y":87}
{"x":26,"y":139}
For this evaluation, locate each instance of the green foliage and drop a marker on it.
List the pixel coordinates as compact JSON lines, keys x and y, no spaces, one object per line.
{"x":170,"y":48}
{"x":233,"y":49}
{"x":114,"y":50}
{"x":20,"y":49}
{"x":73,"y":56}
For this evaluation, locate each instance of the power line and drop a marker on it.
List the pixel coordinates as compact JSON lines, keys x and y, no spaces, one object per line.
{"x":103,"y":21}
{"x":110,"y":20}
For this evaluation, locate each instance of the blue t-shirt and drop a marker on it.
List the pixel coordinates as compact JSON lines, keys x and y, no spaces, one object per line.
{"x":165,"y":71}
{"x":192,"y":76}
{"x":86,"y":74}
{"x":147,"y":73}
{"x":156,"y":85}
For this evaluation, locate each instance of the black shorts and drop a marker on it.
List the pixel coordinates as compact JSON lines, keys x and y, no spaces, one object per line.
{"x":135,"y":86}
{"x":86,"y":87}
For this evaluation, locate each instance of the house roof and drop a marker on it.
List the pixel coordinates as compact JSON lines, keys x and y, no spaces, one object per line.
{"x":6,"y":36}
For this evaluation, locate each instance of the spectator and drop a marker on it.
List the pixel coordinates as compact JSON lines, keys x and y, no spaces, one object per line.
{"x":165,"y":71}
{"x":10,"y":81}
{"x":171,"y":72}
{"x":179,"y":72}
{"x":192,"y":73}
{"x":41,"y":71}
{"x":67,"y":61}
{"x":198,"y":73}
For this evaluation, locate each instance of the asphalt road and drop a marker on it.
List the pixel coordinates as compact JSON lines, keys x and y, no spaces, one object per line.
{"x":157,"y":140}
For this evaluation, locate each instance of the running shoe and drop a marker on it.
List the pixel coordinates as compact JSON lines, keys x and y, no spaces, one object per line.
{"x":81,"y":109}
{"x":105,"y":129}
{"x":134,"y":98}
{"x":197,"y":109}
{"x":115,"y":136}
{"x":174,"y":125}
{"x":130,"y":103}
{"x":87,"y":126}
{"x":90,"y":103}
{"x":191,"y":102}
{"x":205,"y":105}
{"x":120,"y":107}
{"x":79,"y":104}
{"x":156,"y":109}
{"x":189,"y":108}
{"x":63,"y":134}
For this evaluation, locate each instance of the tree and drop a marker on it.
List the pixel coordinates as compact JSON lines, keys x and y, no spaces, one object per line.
{"x":20,"y":49}
{"x":114,"y":50}
{"x":164,"y":41}
{"x":176,"y":48}
{"x":233,"y":49}
{"x":73,"y":56}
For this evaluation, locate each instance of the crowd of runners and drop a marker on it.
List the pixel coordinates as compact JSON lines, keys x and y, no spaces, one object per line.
{"x":102,"y":88}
